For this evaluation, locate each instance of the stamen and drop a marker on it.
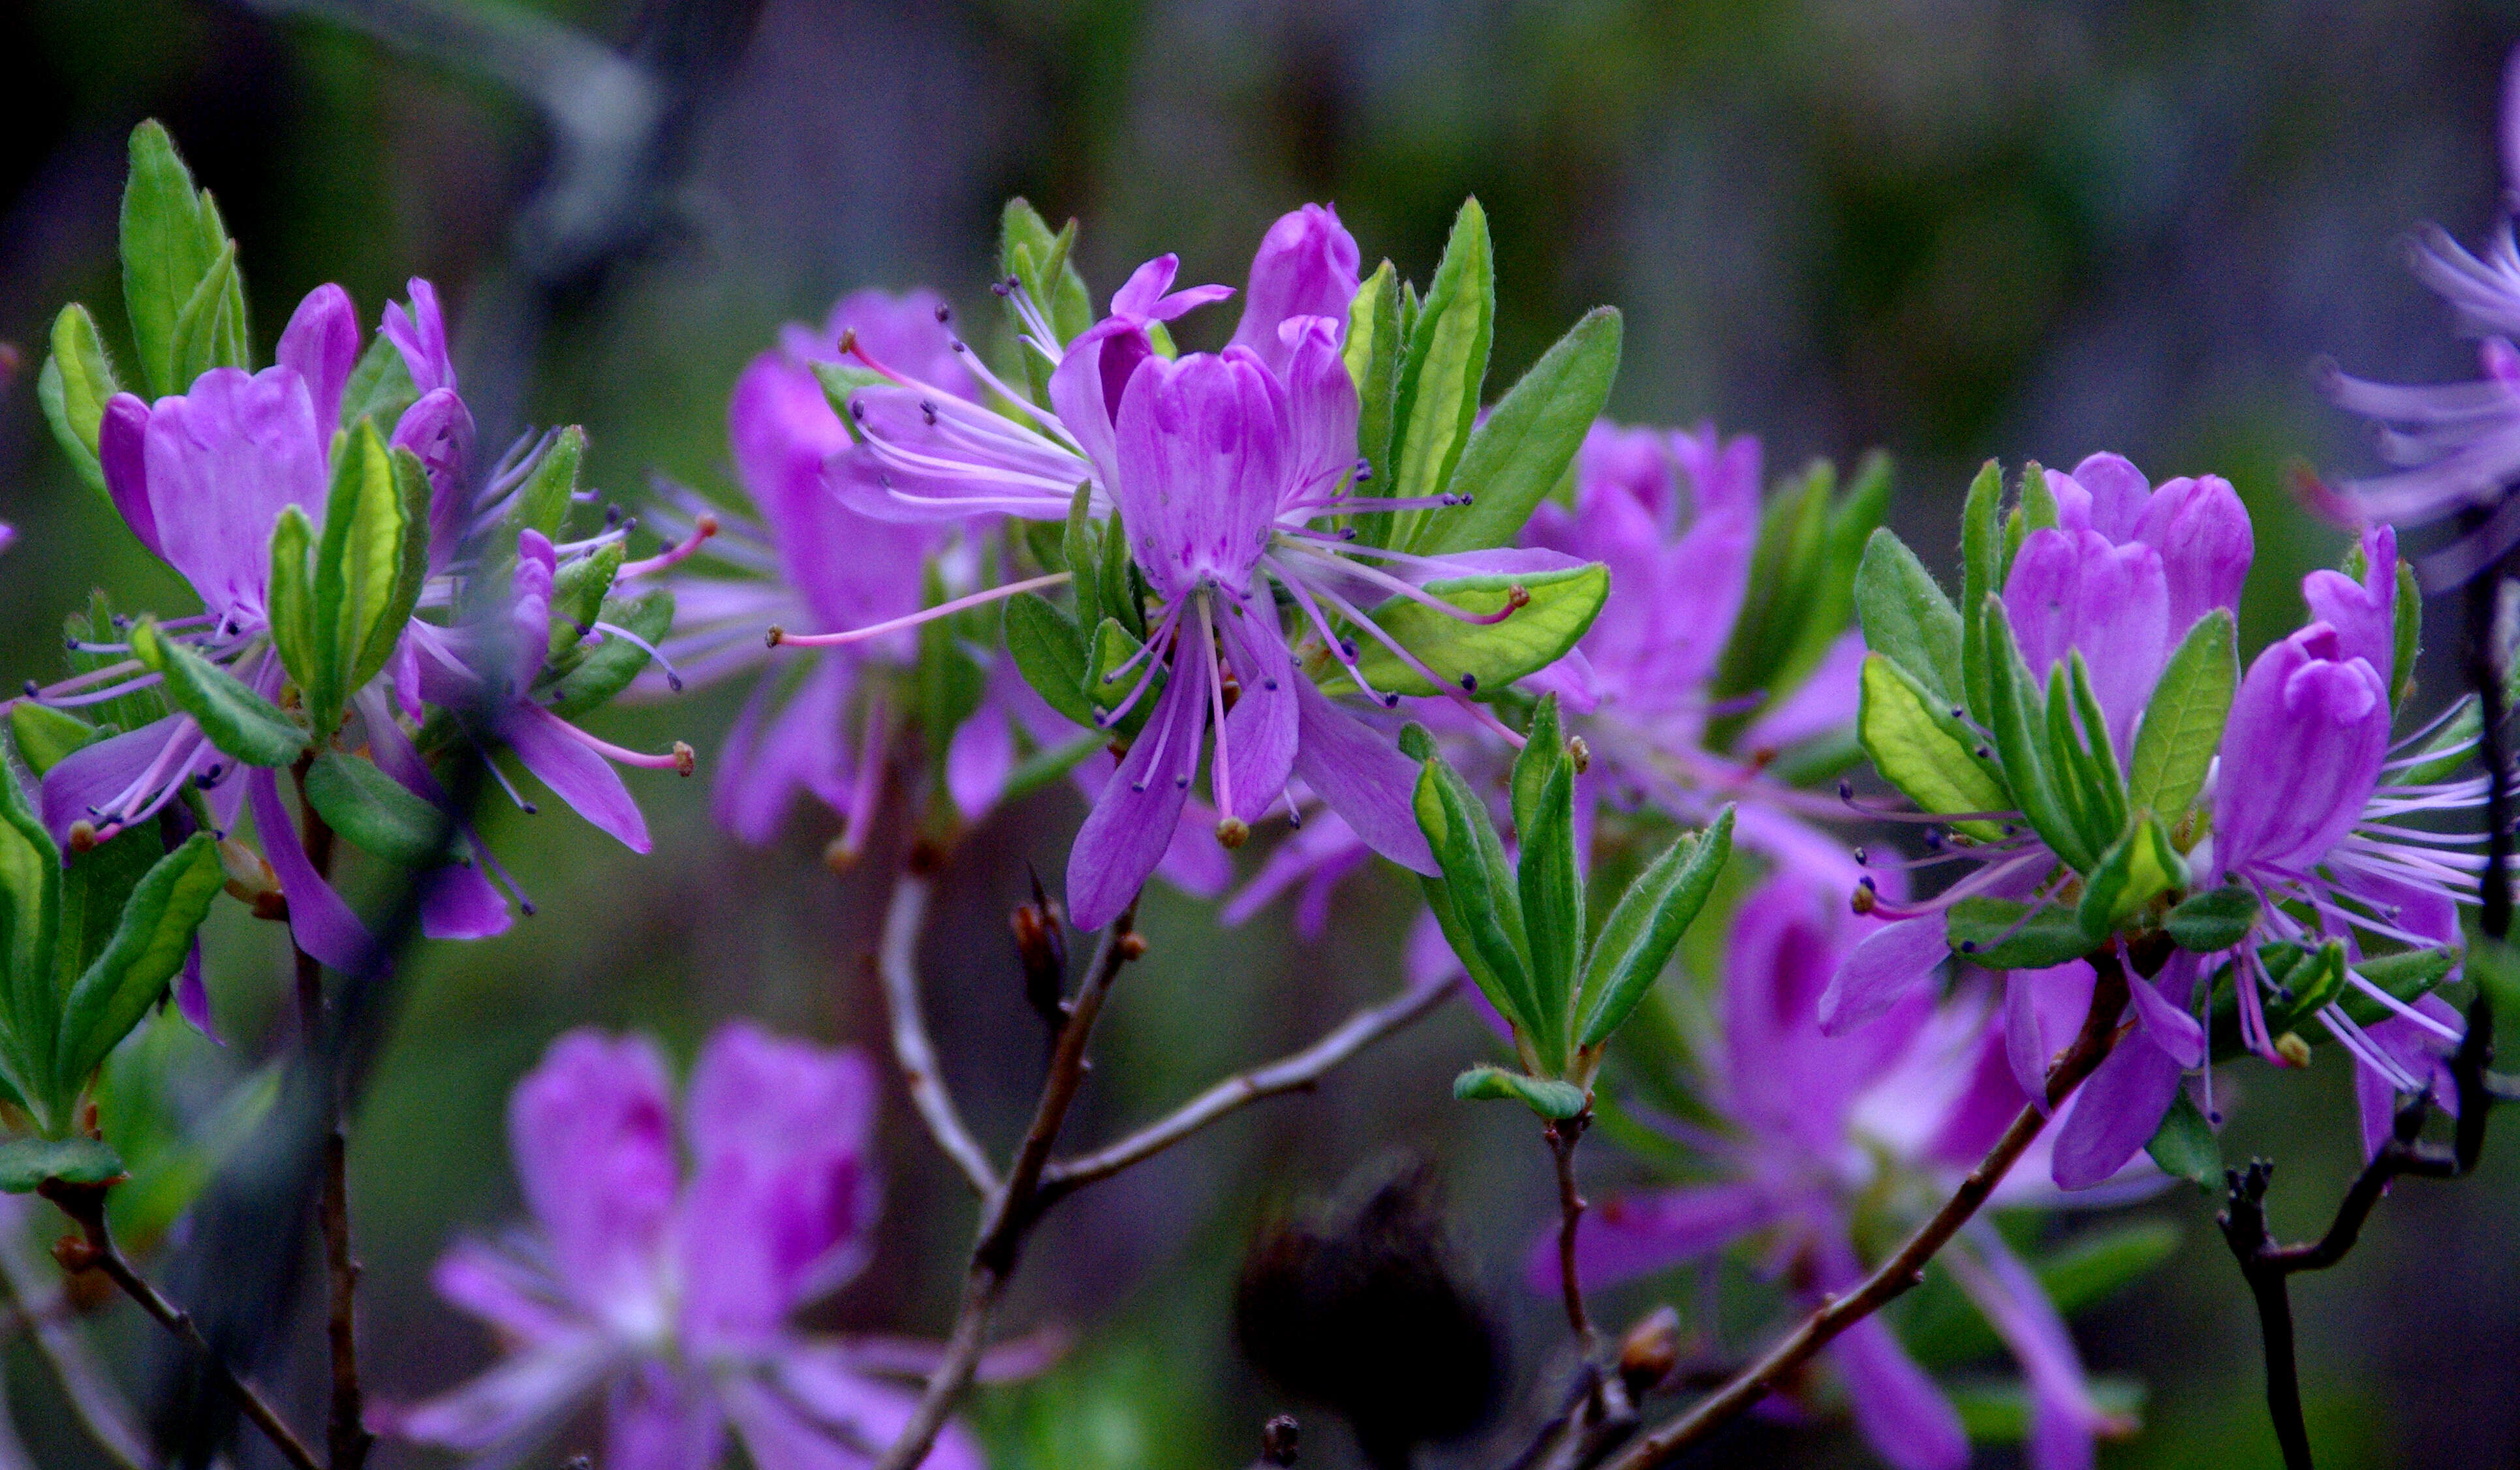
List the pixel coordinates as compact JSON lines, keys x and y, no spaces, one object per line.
{"x":703,"y":529}
{"x":673,"y":676}
{"x":1220,"y":766}
{"x":678,"y":760}
{"x":779,"y":637}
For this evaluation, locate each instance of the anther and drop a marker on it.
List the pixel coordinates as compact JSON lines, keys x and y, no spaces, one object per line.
{"x":848,"y":339}
{"x":945,"y":313}
{"x":776,"y":634}
{"x":1862,"y":859}
{"x":1391,"y":701}
{"x":683,"y":761}
{"x":1580,"y":753}
{"x":32,"y":690}
{"x":1469,"y":683}
{"x":1863,"y":900}
{"x":927,"y":410}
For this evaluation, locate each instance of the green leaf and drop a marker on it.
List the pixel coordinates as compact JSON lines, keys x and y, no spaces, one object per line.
{"x":2218,"y":919}
{"x":1812,"y":624}
{"x":239,"y":721}
{"x":1475,"y":899}
{"x":1551,"y":885}
{"x":1048,"y":651}
{"x":1121,"y":595}
{"x":1919,"y":749}
{"x":46,"y":736}
{"x":307,"y":657}
{"x":148,"y":948}
{"x":30,"y":901}
{"x":171,"y":239}
{"x":1043,"y":262}
{"x":1523,"y":446}
{"x":1906,"y":616}
{"x":1082,"y":553}
{"x":1544,"y":750}
{"x":96,"y":885}
{"x":76,"y":383}
{"x":607,"y":668}
{"x":1108,"y":688}
{"x":1472,"y":657}
{"x":2141,"y":867}
{"x":25,"y":1163}
{"x":380,"y":386}
{"x":1783,"y":588}
{"x":209,"y":331}
{"x":1647,"y":925}
{"x":577,"y":597}
{"x":2184,"y":1146}
{"x":369,"y":564}
{"x":1550,"y":1099}
{"x":2182,"y":726}
{"x":376,"y":814}
{"x":1372,"y":353}
{"x":1981,"y":549}
{"x":543,"y":500}
{"x":2038,"y":501}
{"x":2307,"y":980}
{"x":2408,"y":644}
{"x":1446,"y":361}
{"x":2021,"y":730}
{"x":2000,"y":934}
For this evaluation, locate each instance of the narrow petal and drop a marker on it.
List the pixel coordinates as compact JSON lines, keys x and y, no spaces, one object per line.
{"x":2364,"y":613}
{"x":783,"y":1192}
{"x":1363,"y":776}
{"x":505,"y":1412}
{"x":979,"y":759}
{"x":193,"y":994}
{"x":438,"y":430}
{"x":591,"y":1131}
{"x":1306,"y":266}
{"x":2115,"y":1113}
{"x":121,"y":449}
{"x":1262,"y":727}
{"x":1881,"y":971}
{"x":322,"y":924}
{"x":576,"y":775}
{"x":2301,"y":754}
{"x":2171,"y":1027}
{"x":321,"y":344}
{"x":222,"y":459}
{"x":1140,"y":811}
{"x":873,"y":1412}
{"x":659,"y":1419}
{"x":94,"y":774}
{"x":488,"y":1283}
{"x":1629,"y":1235}
{"x":773,"y":753}
{"x":420,"y":334}
{"x":463,"y":904}
{"x":1903,"y":1415}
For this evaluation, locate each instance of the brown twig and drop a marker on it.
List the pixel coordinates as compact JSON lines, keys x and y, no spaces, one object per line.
{"x":1292,"y":1073}
{"x":346,"y":1437}
{"x":1561,"y":1136}
{"x":1903,"y":1270}
{"x":84,"y":1204}
{"x":2267,"y":1265}
{"x":1014,"y":1207}
{"x":898,"y":965}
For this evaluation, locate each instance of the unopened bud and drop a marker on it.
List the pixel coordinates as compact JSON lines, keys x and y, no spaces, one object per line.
{"x":1277,"y":1439}
{"x":74,"y":1256}
{"x":2293,"y":1049}
{"x":1133,"y":946}
{"x":1233,"y":832}
{"x":1649,"y":1352}
{"x":248,"y":875}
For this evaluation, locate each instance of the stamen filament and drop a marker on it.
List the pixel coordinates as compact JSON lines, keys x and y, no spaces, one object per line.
{"x":780,"y":636}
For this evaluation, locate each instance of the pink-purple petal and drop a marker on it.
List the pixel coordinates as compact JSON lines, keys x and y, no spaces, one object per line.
{"x":575,"y":773}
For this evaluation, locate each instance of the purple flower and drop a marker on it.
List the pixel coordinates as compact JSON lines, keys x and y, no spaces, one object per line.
{"x":2121,"y":578}
{"x":2452,"y":446}
{"x":808,"y":563}
{"x":666,"y":1297}
{"x":1818,"y":1128}
{"x":1218,"y":465}
{"x":201,"y":478}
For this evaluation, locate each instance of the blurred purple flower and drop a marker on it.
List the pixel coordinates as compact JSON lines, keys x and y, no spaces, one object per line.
{"x":2454,"y":447}
{"x":1811,"y":1123}
{"x":1218,"y":464}
{"x":666,"y":1297}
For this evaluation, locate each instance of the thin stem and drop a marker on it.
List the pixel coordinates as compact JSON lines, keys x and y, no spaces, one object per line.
{"x":43,"y":1308}
{"x":84,"y":1204}
{"x":346,"y":1437}
{"x":1016,"y":1206}
{"x":1295,"y":1073}
{"x":898,"y":963}
{"x":1561,"y":1136}
{"x":1906,"y":1268}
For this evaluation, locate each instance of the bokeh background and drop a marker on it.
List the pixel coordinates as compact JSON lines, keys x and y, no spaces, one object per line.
{"x":1953,"y":228}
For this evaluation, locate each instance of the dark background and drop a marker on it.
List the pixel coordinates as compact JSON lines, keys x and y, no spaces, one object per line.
{"x":1954,"y":228}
